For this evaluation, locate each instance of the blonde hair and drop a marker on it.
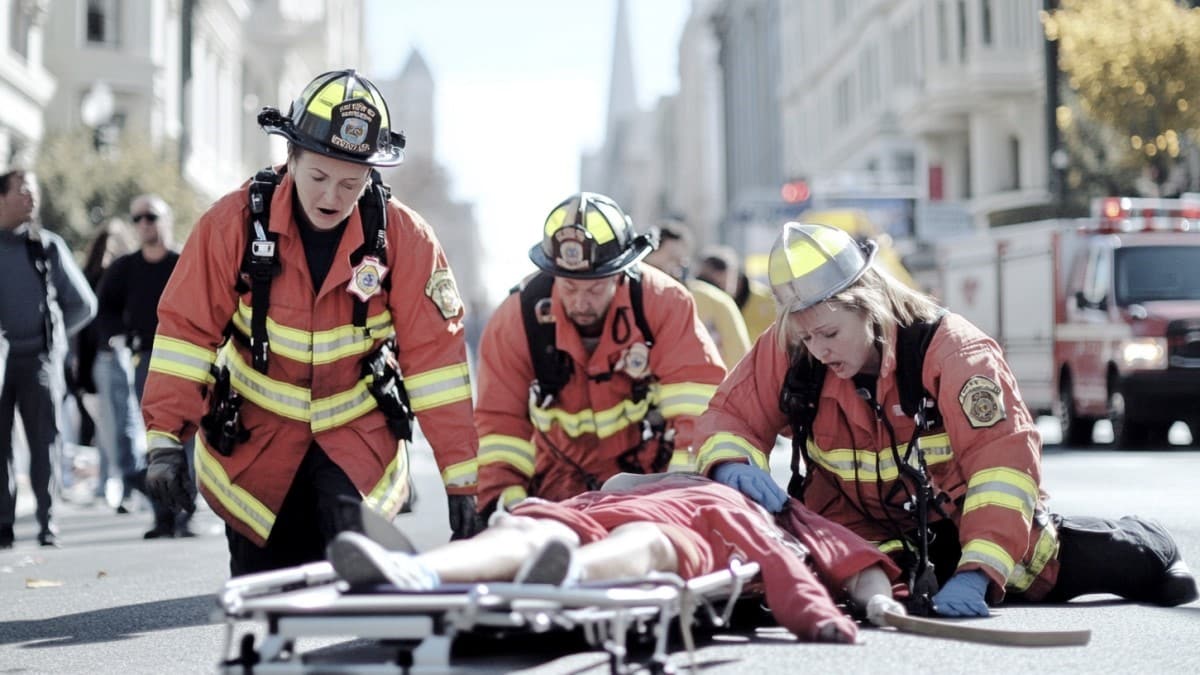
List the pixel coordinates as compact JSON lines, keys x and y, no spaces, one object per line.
{"x":878,"y":297}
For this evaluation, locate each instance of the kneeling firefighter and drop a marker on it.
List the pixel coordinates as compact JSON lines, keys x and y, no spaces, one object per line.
{"x":298,"y":301}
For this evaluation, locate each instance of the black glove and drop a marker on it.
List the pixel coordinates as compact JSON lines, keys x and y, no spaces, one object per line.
{"x":465,"y":521}
{"x":167,"y":478}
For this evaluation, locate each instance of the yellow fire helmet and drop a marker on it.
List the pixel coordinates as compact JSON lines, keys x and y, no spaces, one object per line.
{"x":811,"y":263}
{"x":588,"y":236}
{"x":340,"y":114}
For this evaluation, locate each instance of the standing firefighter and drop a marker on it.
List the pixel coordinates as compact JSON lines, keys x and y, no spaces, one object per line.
{"x":597,"y":365}
{"x":914,"y":435}
{"x":298,"y":301}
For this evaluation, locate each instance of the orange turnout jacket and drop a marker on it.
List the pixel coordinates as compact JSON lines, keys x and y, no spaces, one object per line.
{"x":986,"y":457}
{"x":527,"y":450}
{"x":314,"y":389}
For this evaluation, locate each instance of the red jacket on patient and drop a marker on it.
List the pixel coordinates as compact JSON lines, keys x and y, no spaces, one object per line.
{"x":709,"y":524}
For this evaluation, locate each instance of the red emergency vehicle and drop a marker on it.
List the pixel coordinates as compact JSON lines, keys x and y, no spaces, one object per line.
{"x":1099,"y":317}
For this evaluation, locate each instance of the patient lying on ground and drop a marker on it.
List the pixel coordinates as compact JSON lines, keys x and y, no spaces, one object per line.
{"x":636,"y":525}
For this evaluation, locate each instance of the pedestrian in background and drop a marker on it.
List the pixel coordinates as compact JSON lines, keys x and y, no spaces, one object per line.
{"x":722,"y":267}
{"x":37,"y":271}
{"x":129,"y":295}
{"x":108,"y":376}
{"x":714,"y":307}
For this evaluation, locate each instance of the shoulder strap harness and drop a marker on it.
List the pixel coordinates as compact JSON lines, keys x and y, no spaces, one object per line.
{"x":801,"y":392}
{"x":798,"y":400}
{"x":260,"y":261}
{"x":552,"y":367}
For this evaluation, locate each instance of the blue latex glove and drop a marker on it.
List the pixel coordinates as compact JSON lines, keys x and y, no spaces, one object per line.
{"x":752,"y":482}
{"x":963,"y":595}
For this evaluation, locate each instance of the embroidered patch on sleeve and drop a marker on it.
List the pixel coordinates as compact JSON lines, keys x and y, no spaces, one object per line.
{"x":982,"y":402}
{"x":442,"y":290}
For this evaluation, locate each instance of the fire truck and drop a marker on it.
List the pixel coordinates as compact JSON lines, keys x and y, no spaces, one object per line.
{"x":1099,"y":317}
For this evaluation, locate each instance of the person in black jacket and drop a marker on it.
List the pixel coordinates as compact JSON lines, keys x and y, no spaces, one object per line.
{"x":129,"y":294}
{"x":36,"y":270}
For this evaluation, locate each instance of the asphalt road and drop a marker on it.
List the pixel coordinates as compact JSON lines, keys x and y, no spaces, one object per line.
{"x":107,"y":601}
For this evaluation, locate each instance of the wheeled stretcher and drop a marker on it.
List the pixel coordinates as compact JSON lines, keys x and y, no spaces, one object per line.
{"x":309,"y":601}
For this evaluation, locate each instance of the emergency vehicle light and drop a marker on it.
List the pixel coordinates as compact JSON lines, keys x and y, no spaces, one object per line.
{"x":1130,"y":214}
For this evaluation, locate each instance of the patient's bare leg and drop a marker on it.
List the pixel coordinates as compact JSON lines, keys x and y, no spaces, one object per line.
{"x":496,"y":553}
{"x":631,"y":550}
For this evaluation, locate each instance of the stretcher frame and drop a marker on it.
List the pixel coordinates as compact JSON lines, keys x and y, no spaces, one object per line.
{"x":309,"y":601}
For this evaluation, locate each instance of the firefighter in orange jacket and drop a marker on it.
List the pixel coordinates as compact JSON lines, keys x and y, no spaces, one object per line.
{"x":868,"y":460}
{"x":329,"y":285}
{"x":598,"y":365}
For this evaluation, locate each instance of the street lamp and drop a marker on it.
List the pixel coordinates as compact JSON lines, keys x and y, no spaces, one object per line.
{"x":1060,"y":160}
{"x":96,"y":111}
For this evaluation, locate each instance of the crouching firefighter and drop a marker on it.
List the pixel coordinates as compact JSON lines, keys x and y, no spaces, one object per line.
{"x":595,"y":365}
{"x":911,"y":432}
{"x":310,"y":289}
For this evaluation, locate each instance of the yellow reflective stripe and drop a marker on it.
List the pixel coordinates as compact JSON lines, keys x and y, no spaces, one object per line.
{"x":182,"y":359}
{"x":237,"y":501}
{"x":292,"y":402}
{"x":321,"y":347}
{"x":334,"y":411}
{"x":890,"y":546}
{"x":603,"y":424}
{"x":988,"y":554}
{"x":516,"y":452}
{"x":1004,"y":487}
{"x":343,"y":341}
{"x":389,"y":492}
{"x":682,"y":461}
{"x":433,"y":388}
{"x":850,"y":464}
{"x":161,"y":439}
{"x":512,"y":494}
{"x":289,"y":342}
{"x":461,"y":474}
{"x":1045,"y":550}
{"x":726,"y":446}
{"x":280,"y":398}
{"x":684,"y":398}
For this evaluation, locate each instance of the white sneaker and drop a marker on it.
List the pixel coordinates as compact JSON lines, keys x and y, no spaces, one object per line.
{"x":362,"y":562}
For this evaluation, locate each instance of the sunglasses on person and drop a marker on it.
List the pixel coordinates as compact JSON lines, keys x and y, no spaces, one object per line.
{"x":148,"y":217}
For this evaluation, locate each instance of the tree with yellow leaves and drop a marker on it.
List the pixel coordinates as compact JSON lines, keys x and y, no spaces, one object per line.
{"x":1134,"y":67}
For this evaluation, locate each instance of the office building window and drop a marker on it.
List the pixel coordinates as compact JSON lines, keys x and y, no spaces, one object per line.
{"x":985,"y":21}
{"x":1014,"y":160}
{"x":101,"y":22}
{"x":20,"y":21}
{"x":962,"y":31}
{"x":942,"y":28}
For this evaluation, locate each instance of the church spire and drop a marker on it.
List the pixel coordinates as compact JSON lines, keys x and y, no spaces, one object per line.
{"x":622,"y":92}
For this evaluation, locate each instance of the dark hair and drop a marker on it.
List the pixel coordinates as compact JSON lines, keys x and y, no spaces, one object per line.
{"x":93,"y":268}
{"x":6,"y":178}
{"x":720,"y":258}
{"x":674,"y":230}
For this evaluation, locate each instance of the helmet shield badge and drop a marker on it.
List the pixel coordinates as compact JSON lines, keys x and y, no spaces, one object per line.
{"x":587,"y":236}
{"x":340,"y":114}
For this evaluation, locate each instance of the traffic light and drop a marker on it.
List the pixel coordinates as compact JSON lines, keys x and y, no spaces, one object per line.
{"x":795,"y":191}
